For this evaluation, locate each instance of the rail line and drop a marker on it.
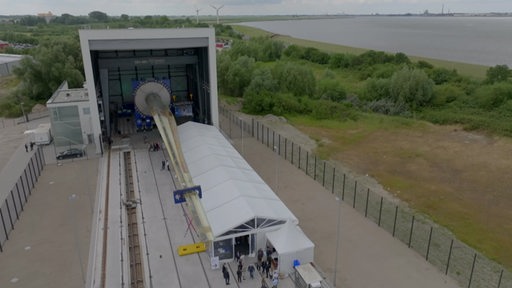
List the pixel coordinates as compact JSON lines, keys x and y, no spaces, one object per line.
{"x":134,"y":249}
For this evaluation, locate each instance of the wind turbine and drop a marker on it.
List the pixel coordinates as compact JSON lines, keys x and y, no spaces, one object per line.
{"x":217,"y":8}
{"x":197,"y":15}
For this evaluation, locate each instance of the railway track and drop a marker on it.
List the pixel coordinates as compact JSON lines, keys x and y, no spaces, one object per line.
{"x":134,"y":248}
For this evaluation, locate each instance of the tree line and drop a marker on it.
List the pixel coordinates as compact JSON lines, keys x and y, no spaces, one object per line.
{"x":269,"y":76}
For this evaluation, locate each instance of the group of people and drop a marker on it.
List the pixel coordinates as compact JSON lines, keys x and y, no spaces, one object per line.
{"x":263,"y":265}
{"x":154,"y":147}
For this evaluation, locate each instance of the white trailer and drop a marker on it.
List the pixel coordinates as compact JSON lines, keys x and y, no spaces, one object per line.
{"x":41,"y":135}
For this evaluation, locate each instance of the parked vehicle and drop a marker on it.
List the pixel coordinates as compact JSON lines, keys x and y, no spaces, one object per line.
{"x":70,"y":153}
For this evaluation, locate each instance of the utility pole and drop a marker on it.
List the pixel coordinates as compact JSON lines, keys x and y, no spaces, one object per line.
{"x":197,"y":15}
{"x":217,"y":9}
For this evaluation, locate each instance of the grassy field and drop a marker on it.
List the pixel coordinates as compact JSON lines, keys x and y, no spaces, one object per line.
{"x":455,"y":177}
{"x":471,"y":70}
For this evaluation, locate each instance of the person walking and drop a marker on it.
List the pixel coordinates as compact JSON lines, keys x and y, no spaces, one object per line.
{"x":226,"y":276}
{"x":267,"y":268}
{"x":26,"y":147}
{"x":167,"y":165}
{"x":239,"y":275}
{"x":251,"y":269}
{"x":163,"y":167}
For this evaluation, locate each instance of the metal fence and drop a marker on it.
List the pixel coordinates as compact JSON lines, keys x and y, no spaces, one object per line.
{"x":418,"y":232}
{"x":11,"y":122}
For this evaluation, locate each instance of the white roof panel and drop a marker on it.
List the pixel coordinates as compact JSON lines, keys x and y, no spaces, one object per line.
{"x":232,"y":192}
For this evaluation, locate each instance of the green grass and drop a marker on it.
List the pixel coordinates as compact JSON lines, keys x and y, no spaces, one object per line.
{"x":352,"y":132}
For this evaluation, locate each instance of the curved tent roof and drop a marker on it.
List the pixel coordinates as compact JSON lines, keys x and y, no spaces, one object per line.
{"x":235,"y":198}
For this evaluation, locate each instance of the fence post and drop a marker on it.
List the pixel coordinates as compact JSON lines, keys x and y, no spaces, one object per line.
{"x":314,"y":172}
{"x":501,"y":276}
{"x":343,"y":189}
{"x":366,"y":208}
{"x":273,"y":139}
{"x":257,"y":130}
{"x":472,"y":270}
{"x":307,"y":163}
{"x":355,"y":194}
{"x":323,"y":176}
{"x":9,"y":213}
{"x":410,"y":234}
{"x":449,"y":257}
{"x":394,"y":223}
{"x":268,"y":133}
{"x":262,"y":134}
{"x":299,"y":157}
{"x":380,"y":209}
{"x":429,"y":240}
{"x":285,"y":148}
{"x":279,"y":144}
{"x":333,"y":179}
{"x":3,"y":224}
{"x":292,"y":153}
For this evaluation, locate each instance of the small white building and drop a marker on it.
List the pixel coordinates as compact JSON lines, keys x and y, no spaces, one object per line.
{"x":70,"y":115}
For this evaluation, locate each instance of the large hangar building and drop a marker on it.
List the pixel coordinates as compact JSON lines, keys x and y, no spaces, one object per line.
{"x":116,"y":61}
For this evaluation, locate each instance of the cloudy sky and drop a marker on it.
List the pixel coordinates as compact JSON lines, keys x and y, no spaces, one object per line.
{"x":249,"y":7}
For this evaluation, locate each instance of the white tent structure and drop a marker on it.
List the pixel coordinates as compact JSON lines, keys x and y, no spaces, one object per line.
{"x":237,"y":202}
{"x":291,"y":244}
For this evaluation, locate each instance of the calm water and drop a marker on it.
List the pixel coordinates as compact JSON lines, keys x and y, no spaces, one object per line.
{"x":478,"y":40}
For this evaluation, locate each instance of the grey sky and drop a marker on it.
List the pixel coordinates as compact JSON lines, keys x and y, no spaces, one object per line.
{"x":249,"y":7}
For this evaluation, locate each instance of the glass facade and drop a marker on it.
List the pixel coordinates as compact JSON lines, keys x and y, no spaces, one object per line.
{"x":66,"y":127}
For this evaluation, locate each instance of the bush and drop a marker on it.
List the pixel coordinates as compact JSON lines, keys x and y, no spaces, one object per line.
{"x":498,"y":73}
{"x":493,"y":96}
{"x":340,"y":60}
{"x":331,"y":89}
{"x":443,"y":75}
{"x":295,"y":78}
{"x":376,"y":89}
{"x":294,"y":52}
{"x":316,"y":56}
{"x":412,"y":87}
{"x":445,"y":94}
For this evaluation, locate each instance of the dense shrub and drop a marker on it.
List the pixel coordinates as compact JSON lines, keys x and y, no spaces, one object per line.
{"x":295,"y":78}
{"x":493,"y":96}
{"x":411,"y":86}
{"x":447,"y":93}
{"x":316,"y":56}
{"x":340,"y":60}
{"x":294,"y":52}
{"x":498,"y":73}
{"x":330,"y":89}
{"x":442,"y":75}
{"x":376,"y":89}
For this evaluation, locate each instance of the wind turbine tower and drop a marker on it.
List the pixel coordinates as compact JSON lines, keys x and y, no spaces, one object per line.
{"x":197,"y":15}
{"x":217,"y":9}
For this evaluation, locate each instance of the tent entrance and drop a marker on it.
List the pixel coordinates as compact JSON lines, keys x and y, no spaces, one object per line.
{"x":245,"y":244}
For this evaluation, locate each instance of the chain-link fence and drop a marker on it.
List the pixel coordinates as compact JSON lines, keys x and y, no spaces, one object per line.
{"x":418,"y":232}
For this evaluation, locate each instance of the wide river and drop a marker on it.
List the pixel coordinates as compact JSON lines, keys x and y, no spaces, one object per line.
{"x":477,"y":40}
